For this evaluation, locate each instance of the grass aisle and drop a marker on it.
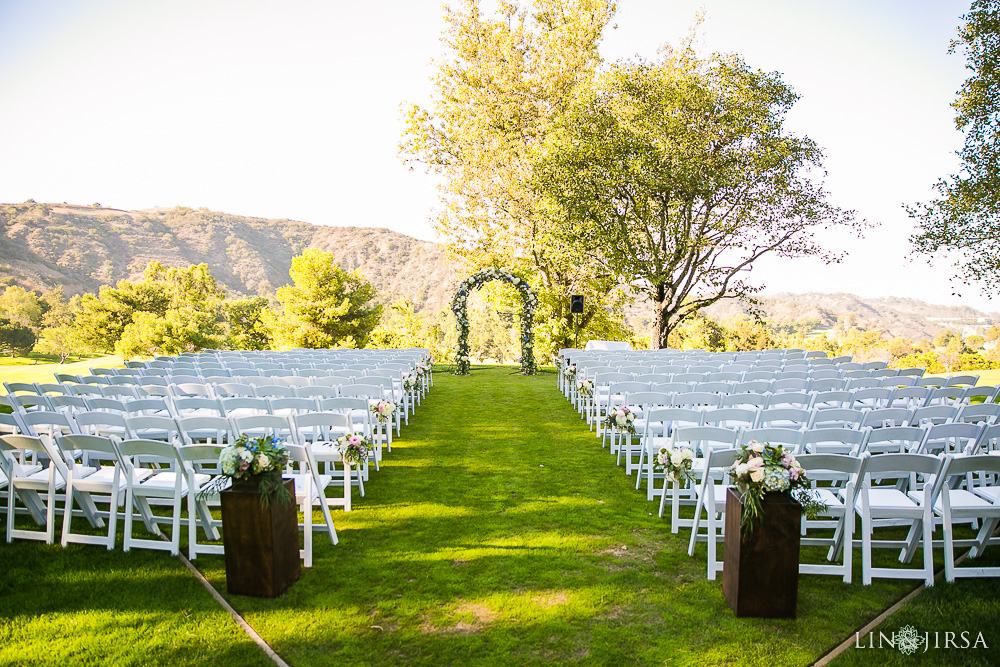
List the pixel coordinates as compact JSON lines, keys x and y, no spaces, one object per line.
{"x":499,"y":532}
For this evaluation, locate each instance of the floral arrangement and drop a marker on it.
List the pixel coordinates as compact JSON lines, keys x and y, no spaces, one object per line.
{"x":354,"y":449}
{"x":569,"y":372}
{"x":529,"y":300}
{"x":761,"y":468}
{"x":248,"y":457}
{"x":410,"y":382}
{"x":585,"y":387}
{"x":622,"y":419}
{"x":383,"y":411}
{"x":676,"y":463}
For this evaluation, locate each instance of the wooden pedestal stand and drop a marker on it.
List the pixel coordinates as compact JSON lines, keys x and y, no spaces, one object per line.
{"x":760,"y":575}
{"x":261,"y":545}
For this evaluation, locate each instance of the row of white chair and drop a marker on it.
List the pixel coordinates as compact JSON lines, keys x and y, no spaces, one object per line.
{"x":915,"y":491}
{"x":139,"y":473}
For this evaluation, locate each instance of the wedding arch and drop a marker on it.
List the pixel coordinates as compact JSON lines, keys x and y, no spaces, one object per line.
{"x":529,"y":301}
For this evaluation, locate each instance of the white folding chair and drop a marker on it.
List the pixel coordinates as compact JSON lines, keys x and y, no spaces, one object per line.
{"x":29,"y":483}
{"x":840,"y":499}
{"x":310,"y":489}
{"x":84,"y":480}
{"x":164,"y":481}
{"x":903,"y":502}
{"x":958,"y":504}
{"x":200,"y":464}
{"x":711,"y":497}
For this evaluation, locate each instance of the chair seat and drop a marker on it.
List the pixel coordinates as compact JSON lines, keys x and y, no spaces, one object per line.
{"x":894,"y":499}
{"x":991,"y":493}
{"x":165,"y":481}
{"x":830,"y":497}
{"x":960,"y":500}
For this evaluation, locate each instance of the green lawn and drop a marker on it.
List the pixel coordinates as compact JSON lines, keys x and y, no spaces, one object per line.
{"x":25,"y":371}
{"x":497,"y":532}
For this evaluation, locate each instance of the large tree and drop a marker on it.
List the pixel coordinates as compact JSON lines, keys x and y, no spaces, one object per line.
{"x":965,"y":217}
{"x":675,"y":176}
{"x":325,"y":306}
{"x":506,"y":79}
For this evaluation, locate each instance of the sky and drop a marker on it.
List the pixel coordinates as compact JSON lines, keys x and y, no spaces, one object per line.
{"x":292,"y":109}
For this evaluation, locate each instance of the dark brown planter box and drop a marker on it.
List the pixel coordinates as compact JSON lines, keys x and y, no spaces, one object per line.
{"x":261,"y":545}
{"x":760,"y":574}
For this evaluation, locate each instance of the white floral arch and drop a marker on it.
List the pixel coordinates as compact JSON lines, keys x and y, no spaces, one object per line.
{"x":529,"y":302}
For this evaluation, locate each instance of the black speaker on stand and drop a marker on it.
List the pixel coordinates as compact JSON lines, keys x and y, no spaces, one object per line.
{"x":576,"y":308}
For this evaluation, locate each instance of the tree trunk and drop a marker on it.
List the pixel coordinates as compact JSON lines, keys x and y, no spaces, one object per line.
{"x":660,"y":328}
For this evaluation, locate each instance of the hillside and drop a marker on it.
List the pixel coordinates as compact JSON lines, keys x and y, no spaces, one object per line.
{"x":82,"y":248}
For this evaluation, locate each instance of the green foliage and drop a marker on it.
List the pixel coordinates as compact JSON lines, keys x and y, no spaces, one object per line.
{"x":325,"y":306}
{"x":176,"y":309}
{"x":15,"y":338}
{"x":678,"y":175}
{"x":399,"y":327}
{"x":965,"y":217}
{"x":20,"y":306}
{"x":500,"y":89}
{"x":248,"y":326}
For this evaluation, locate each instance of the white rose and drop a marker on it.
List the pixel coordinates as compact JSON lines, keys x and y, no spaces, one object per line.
{"x":262,"y":462}
{"x":677,"y":458}
{"x":757,"y":475}
{"x":756,"y":446}
{"x":741,"y":469}
{"x":756,"y":462}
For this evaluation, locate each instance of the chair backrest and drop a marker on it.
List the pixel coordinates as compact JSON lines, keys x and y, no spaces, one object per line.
{"x":705,"y":438}
{"x":672,"y":416}
{"x":828,"y":385}
{"x":863,"y":383}
{"x":934,"y":414}
{"x":852,"y":468}
{"x":647,"y":399}
{"x":951,"y":438}
{"x":100,"y":423}
{"x":910,"y":397}
{"x":790,"y":399}
{"x":153,"y":427}
{"x":887,"y":417}
{"x":291,"y":405}
{"x":980,"y":412}
{"x":44,"y":422}
{"x":833,"y":440}
{"x":90,"y":448}
{"x":321,"y":426}
{"x":362,"y":391}
{"x":744,"y":399}
{"x":189,"y":406}
{"x":198,"y":430}
{"x":959,"y":380}
{"x":837,"y":418}
{"x":147,"y":406}
{"x":224,"y":389}
{"x":696,"y":399}
{"x":277,"y":426}
{"x":946,"y":396}
{"x":274,"y":391}
{"x":731,"y":418}
{"x":787,"y":437}
{"x":68,"y":403}
{"x":896,"y":440}
{"x":784,"y":417}
{"x":244,"y":405}
{"x":987,"y":393}
{"x":873,"y":398}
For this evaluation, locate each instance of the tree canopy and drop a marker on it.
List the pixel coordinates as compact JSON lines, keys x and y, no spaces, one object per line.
{"x":675,"y":176}
{"x":325,"y":306}
{"x":506,"y":79}
{"x":965,"y":216}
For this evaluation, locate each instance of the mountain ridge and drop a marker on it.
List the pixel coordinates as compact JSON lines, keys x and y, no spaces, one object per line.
{"x":84,"y":247}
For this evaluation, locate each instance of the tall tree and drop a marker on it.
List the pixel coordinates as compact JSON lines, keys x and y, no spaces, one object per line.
{"x":965,"y":217}
{"x":675,"y":176}
{"x":325,"y":306}
{"x":20,"y":306}
{"x":505,"y":81}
